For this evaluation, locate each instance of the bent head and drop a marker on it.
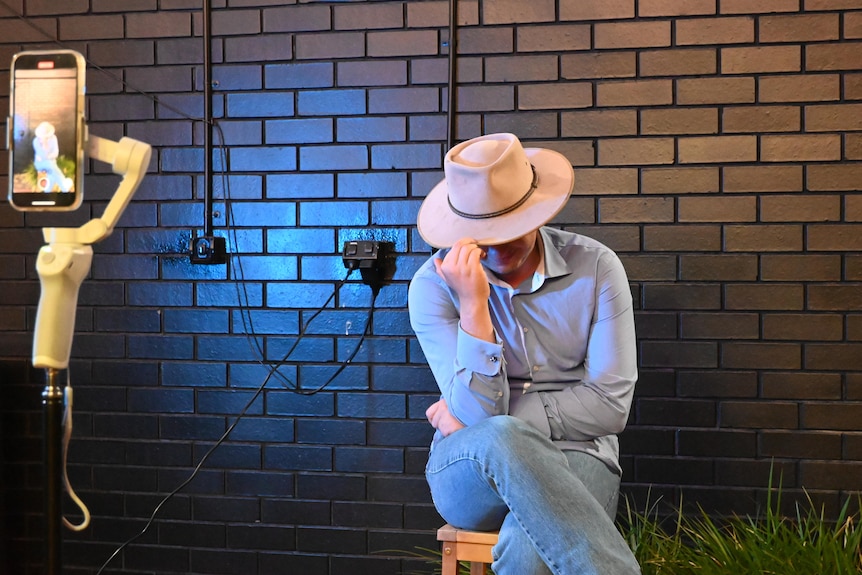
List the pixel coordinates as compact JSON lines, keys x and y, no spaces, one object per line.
{"x":513,"y":260}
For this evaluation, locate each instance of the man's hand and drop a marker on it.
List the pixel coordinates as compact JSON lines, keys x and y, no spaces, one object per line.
{"x":441,"y":419}
{"x":462,"y":271}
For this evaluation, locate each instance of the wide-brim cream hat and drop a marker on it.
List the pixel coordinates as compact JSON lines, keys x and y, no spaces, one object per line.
{"x":44,"y":130}
{"x":494,"y":191}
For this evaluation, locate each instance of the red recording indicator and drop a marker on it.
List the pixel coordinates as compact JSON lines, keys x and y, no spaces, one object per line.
{"x":45,"y":65}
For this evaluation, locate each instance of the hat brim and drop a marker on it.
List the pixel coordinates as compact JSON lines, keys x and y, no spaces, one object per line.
{"x":440,"y":227}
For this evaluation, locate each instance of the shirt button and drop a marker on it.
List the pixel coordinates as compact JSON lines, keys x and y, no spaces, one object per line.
{"x":535,"y":368}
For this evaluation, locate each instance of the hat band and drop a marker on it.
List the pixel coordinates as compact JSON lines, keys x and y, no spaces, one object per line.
{"x":502,"y":212}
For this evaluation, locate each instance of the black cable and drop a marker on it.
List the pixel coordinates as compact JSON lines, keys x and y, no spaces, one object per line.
{"x":273,"y":370}
{"x":248,"y":325}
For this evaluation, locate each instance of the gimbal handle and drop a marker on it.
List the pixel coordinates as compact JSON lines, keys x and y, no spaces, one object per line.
{"x":65,"y":261}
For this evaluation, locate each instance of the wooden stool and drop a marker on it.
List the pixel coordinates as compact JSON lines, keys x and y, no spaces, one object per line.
{"x":463,"y":545}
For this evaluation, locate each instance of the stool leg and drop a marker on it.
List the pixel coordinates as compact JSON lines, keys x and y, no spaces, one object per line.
{"x":477,"y":568}
{"x":450,"y":560}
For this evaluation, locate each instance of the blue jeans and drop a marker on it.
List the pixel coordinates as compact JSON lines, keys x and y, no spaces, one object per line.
{"x":554,"y":510}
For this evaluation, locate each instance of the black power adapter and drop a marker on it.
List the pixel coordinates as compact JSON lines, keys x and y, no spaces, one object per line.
{"x":208,"y":250}
{"x":370,"y":258}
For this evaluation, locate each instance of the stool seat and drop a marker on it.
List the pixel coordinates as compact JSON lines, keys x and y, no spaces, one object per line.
{"x":463,"y":545}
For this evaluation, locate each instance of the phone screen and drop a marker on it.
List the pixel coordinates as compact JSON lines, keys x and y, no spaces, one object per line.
{"x":45,"y":137}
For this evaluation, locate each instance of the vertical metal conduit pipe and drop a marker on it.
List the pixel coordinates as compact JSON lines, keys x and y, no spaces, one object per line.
{"x":453,"y":74}
{"x":208,"y":120}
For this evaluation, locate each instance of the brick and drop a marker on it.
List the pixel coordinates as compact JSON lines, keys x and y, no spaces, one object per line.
{"x":717,"y":209}
{"x":658,"y":470}
{"x":717,"y":149}
{"x":621,"y":64}
{"x":558,"y":38}
{"x":800,"y":445}
{"x":679,"y":180}
{"x":674,"y":412}
{"x":486,"y":98}
{"x":834,"y":237}
{"x":781,"y":208}
{"x":853,"y":267}
{"x":834,"y":297}
{"x":852,"y":208}
{"x":649,"y":267}
{"x":639,"y":34}
{"x":762,"y":59}
{"x":493,"y":40}
{"x":637,"y":151}
{"x":834,"y":177}
{"x":685,"y":62}
{"x":652,"y":8}
{"x":764,"y":6}
{"x":816,"y":475}
{"x":719,"y":326}
{"x":717,"y":384}
{"x":800,"y":267}
{"x":837,"y":416}
{"x":799,"y":88}
{"x":853,"y":146}
{"x":367,"y":16}
{"x":829,"y":56}
{"x":597,"y":123}
{"x":762,"y":178}
{"x":379,"y":73}
{"x":595,"y":10}
{"x":621,"y":210}
{"x":679,"y":121}
{"x":436,"y":14}
{"x":798,"y":28}
{"x":830,"y":118}
{"x":606,"y":181}
{"x":618,"y":238}
{"x":681,"y":296}
{"x":556,"y":95}
{"x":806,"y":327}
{"x":759,"y":414}
{"x":853,"y":86}
{"x":749,"y":119}
{"x":833,"y":356}
{"x":719,"y":90}
{"x":764,"y":297}
{"x":682,"y":238}
{"x":677,"y":354}
{"x":802,"y":148}
{"x":330,"y":46}
{"x":732,"y":30}
{"x":799,"y":385}
{"x":722,"y":443}
{"x":516,"y":12}
{"x":711,"y":267}
{"x":852,"y":25}
{"x":403,"y":100}
{"x":634,"y":93}
{"x":521,"y":68}
{"x":305,"y":75}
{"x":303,"y":18}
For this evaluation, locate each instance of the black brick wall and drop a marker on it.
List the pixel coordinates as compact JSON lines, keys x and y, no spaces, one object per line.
{"x":717,"y":148}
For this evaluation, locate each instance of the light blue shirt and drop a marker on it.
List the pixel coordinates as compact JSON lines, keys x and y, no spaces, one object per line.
{"x":565,"y":359}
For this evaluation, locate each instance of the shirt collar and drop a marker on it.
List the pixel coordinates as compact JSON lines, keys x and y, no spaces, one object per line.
{"x":546,"y":253}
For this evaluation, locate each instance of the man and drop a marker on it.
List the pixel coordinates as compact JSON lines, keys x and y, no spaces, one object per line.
{"x":46,"y":150}
{"x":529,"y":333}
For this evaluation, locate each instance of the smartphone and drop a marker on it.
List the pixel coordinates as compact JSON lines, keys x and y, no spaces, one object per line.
{"x":46,"y":130}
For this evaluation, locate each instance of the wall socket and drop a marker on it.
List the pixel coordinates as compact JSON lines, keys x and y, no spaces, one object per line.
{"x":370,"y":258}
{"x":208,"y":250}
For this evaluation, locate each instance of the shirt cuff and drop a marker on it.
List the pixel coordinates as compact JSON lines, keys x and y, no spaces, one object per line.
{"x":478,"y":355}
